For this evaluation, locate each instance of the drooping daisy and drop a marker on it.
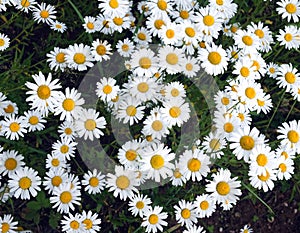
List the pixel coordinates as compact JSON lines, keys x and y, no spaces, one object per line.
{"x":4,"y":42}
{"x":58,"y":26}
{"x":289,"y":37}
{"x":56,"y":59}
{"x":129,"y":153}
{"x":264,"y":103}
{"x":43,"y":93}
{"x":290,"y":135}
{"x":24,"y":183}
{"x":287,"y":76}
{"x":205,"y":205}
{"x":185,"y":213}
{"x":171,"y":59}
{"x":289,"y":9}
{"x":34,"y":121}
{"x":94,"y":182}
{"x":194,"y":164}
{"x":68,"y":105}
{"x":64,"y":147}
{"x":10,"y":162}
{"x":223,"y":188}
{"x":214,"y":59}
{"x":91,"y":24}
{"x":73,"y":223}
{"x":125,"y":47}
{"x":154,"y":219}
{"x":65,"y":197}
{"x":67,"y":130}
{"x":7,"y":224}
{"x":54,"y":178}
{"x":122,"y":183}
{"x":3,"y":103}
{"x":144,"y":63}
{"x":114,"y":7}
{"x":264,"y":182}
{"x":89,"y":124}
{"x":79,"y":57}
{"x":101,"y":50}
{"x":90,"y":221}
{"x":138,"y":204}
{"x":13,"y":127}
{"x":44,"y":13}
{"x":156,"y":159}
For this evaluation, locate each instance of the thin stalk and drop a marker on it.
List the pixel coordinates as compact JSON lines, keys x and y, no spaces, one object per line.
{"x":279,"y":103}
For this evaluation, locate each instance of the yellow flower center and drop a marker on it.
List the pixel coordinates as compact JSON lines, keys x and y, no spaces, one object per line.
{"x":9,"y":109}
{"x":293,"y":136}
{"x":43,"y":92}
{"x":204,"y":205}
{"x":33,"y":120}
{"x":259,"y":33}
{"x":291,"y":8}
{"x":58,"y":26}
{"x":140,"y":205}
{"x":241,"y":116}
{"x":189,"y":67}
{"x":25,"y":3}
{"x":194,"y":165}
{"x":172,"y":58}
{"x":220,"y":2}
{"x":2,"y":42}
{"x":94,"y":182}
{"x":131,"y":110}
{"x":208,"y":20}
{"x":88,"y":223}
{"x":286,"y":155}
{"x":65,"y":197}
{"x":282,"y":167}
{"x":170,"y":33}
{"x":262,"y":160}
{"x":157,"y":162}
{"x":158,"y":23}
{"x":184,"y":14}
{"x":175,"y":112}
{"x":5,"y":227}
{"x":79,"y":58}
{"x":177,"y":174}
{"x":122,"y":182}
{"x":90,"y":124}
{"x":223,"y":188}
{"x":60,"y":57}
{"x":228,"y":127}
{"x":190,"y":32}
{"x":114,"y":4}
{"x":101,"y":50}
{"x":247,"y":142}
{"x":44,"y":14}
{"x":145,"y":63}
{"x":105,"y":23}
{"x":250,"y":92}
{"x":10,"y":164}
{"x":175,"y":92}
{"x":55,"y":162}
{"x":272,"y":70}
{"x":185,"y":213}
{"x":142,"y":36}
{"x":260,"y":102}
{"x":25,"y":183}
{"x":107,"y":89}
{"x":247,"y":40}
{"x":14,"y":127}
{"x":225,"y":100}
{"x":131,"y":155}
{"x":214,"y":58}
{"x":125,"y":47}
{"x":215,"y":144}
{"x":74,"y":225}
{"x":118,"y":21}
{"x":157,"y":125}
{"x":56,"y":181}
{"x":64,"y":149}
{"x":68,"y":104}
{"x":162,"y":5}
{"x":202,"y":45}
{"x":233,"y":29}
{"x":68,"y":131}
{"x":235,"y":54}
{"x":245,"y":71}
{"x":153,"y":219}
{"x":264,"y":178}
{"x":288,"y":37}
{"x":290,"y":77}
{"x":90,"y":25}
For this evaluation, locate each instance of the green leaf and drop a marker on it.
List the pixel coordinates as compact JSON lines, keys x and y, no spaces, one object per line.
{"x":34,"y":205}
{"x":54,"y":219}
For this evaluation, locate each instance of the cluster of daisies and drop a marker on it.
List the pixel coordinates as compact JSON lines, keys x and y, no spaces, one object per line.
{"x":188,"y":35}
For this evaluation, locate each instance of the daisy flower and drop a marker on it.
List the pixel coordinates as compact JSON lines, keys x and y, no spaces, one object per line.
{"x":44,"y":13}
{"x":58,"y":26}
{"x":142,"y":37}
{"x":272,"y":69}
{"x":34,"y":121}
{"x":171,"y":59}
{"x":3,"y":103}
{"x":289,"y":37}
{"x":25,"y":5}
{"x":285,"y":168}
{"x":57,"y":59}
{"x":264,"y":182}
{"x":176,"y":112}
{"x":144,"y":63}
{"x":67,"y":130}
{"x":65,"y":197}
{"x":4,"y":42}
{"x":223,"y":100}
{"x":54,"y":178}
{"x":156,"y":160}
{"x":214,"y":59}
{"x":288,"y":77}
{"x":177,"y":179}
{"x":101,"y":50}
{"x":73,"y":223}
{"x":246,"y":229}
{"x":125,"y":47}
{"x":289,"y":9}
{"x":79,"y":57}
{"x":56,"y":161}
{"x":156,"y":126}
{"x":226,"y":8}
{"x":43,"y":93}
{"x":138,"y":204}
{"x":213,"y":145}
{"x":223,"y":188}
{"x":190,"y":67}
{"x":194,"y":164}
{"x":65,"y":148}
{"x":91,"y":24}
{"x":90,"y":221}
{"x":244,"y":69}
{"x":264,"y":103}
{"x":114,"y":7}
{"x":154,"y":25}
{"x":174,"y":91}
{"x":160,"y":8}
{"x":290,"y":135}
{"x":247,"y":41}
{"x":10,"y":162}
{"x":244,"y":140}
{"x":195,"y":229}
{"x":68,"y":105}
{"x":122,"y":183}
{"x":10,"y":109}
{"x":205,"y":205}
{"x":128,"y":154}
{"x":94,"y":182}
{"x":7,"y":225}
{"x":13,"y":127}
{"x":153,"y":219}
{"x":170,"y":33}
{"x":107,"y":89}
{"x":89,"y":124}
{"x":24,"y":182}
{"x":120,"y":23}
{"x":185,"y":213}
